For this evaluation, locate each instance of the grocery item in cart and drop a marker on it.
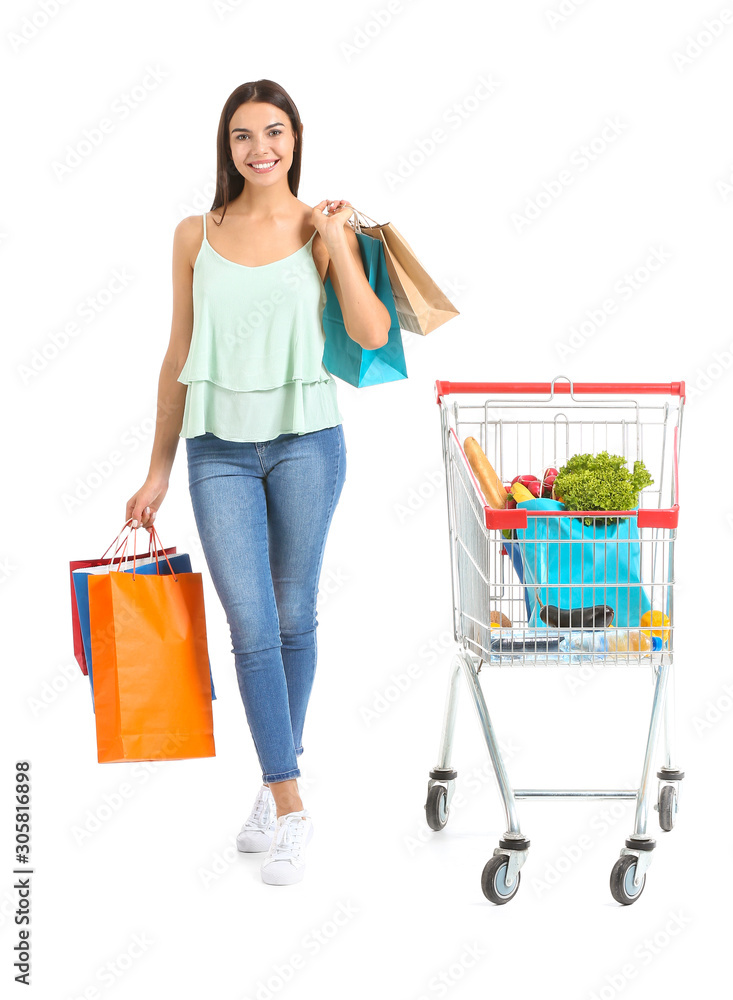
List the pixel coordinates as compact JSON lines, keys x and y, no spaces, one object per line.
{"x":598,"y":616}
{"x":600,"y":482}
{"x":491,"y":486}
{"x":570,"y":564}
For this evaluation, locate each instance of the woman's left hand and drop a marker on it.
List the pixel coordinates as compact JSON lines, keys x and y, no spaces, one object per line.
{"x":331,"y":226}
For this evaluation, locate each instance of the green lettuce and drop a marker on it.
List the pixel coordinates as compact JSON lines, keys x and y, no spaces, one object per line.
{"x":601,"y":482}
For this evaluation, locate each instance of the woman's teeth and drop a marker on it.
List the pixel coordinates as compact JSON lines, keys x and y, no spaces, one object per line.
{"x":263,"y":168}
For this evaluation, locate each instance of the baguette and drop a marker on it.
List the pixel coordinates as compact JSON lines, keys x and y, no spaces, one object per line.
{"x":492,"y":487}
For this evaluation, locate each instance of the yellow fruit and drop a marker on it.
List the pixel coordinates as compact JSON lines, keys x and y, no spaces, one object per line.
{"x":521,"y":493}
{"x":660,"y":620}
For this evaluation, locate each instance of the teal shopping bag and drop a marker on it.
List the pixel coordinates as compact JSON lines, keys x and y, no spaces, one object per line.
{"x":570,"y":564}
{"x":342,"y":356}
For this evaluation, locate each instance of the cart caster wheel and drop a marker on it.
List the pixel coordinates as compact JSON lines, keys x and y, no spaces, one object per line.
{"x":436,"y":807}
{"x":492,"y":880}
{"x":667,"y":806}
{"x":623,"y":889}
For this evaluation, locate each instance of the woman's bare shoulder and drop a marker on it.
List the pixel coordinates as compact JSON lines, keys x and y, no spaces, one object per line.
{"x":187,"y":237}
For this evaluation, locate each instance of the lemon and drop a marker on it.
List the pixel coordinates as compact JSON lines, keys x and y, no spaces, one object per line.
{"x":660,"y":620}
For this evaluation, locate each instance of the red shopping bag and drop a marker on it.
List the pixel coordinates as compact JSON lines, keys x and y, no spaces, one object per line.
{"x":152,"y":688}
{"x":85,"y":564}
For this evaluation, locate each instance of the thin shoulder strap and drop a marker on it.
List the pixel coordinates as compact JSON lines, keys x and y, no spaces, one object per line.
{"x":204,"y":218}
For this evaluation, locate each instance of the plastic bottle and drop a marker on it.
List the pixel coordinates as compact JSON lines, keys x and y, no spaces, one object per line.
{"x":612,"y":640}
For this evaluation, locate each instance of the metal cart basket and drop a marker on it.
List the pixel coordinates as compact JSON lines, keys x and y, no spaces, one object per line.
{"x":529,"y":583}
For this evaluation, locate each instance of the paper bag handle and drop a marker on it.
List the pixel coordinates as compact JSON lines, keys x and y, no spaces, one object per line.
{"x":373,"y":224}
{"x":127,"y":522}
{"x":158,"y":542}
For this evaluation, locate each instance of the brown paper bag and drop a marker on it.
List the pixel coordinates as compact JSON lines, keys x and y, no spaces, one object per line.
{"x":421,"y":306}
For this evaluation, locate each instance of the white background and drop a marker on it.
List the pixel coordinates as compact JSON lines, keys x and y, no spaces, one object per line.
{"x":109,"y":868}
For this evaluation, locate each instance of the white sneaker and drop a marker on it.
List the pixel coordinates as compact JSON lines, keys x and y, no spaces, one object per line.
{"x":259,"y":829}
{"x":285,"y":861}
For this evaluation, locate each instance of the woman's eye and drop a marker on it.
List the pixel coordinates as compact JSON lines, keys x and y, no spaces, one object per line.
{"x":274,"y":131}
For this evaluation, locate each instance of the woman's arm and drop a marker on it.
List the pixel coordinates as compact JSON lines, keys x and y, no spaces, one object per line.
{"x":366,"y":318}
{"x":171,"y":392}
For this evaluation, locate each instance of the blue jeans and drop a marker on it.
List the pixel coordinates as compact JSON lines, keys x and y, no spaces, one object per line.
{"x":263,"y":510}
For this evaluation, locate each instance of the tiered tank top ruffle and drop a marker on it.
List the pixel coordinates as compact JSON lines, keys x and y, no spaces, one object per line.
{"x":255,"y":368}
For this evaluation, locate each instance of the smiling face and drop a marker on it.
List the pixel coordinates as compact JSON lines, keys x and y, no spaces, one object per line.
{"x":262,"y":142}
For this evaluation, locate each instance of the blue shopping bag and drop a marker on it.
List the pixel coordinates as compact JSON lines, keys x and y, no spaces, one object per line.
{"x":179,"y":563}
{"x":570,"y":564}
{"x":514,"y":551}
{"x":342,"y":356}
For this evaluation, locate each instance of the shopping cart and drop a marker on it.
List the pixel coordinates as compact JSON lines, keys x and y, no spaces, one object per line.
{"x":511,"y":565}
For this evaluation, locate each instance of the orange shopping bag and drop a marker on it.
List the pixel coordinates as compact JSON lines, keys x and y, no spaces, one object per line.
{"x":152,"y":687}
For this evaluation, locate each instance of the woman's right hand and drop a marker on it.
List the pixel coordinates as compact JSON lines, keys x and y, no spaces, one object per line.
{"x":144,"y":505}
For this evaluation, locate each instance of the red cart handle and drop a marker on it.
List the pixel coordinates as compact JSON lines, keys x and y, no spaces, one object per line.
{"x":443,"y":388}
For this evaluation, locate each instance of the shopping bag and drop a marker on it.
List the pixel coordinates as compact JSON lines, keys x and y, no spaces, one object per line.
{"x":514,"y":552}
{"x":421,"y":306}
{"x":79,"y":651}
{"x":570,"y":564}
{"x":151,"y":666}
{"x":342,"y":356}
{"x":177,"y":562}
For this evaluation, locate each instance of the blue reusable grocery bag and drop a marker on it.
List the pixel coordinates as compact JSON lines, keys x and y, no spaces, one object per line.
{"x":570,"y":564}
{"x":342,"y":356}
{"x":179,"y":562}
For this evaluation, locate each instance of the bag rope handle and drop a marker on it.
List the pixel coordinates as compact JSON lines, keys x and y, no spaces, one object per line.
{"x":373,"y":224}
{"x":158,"y":542}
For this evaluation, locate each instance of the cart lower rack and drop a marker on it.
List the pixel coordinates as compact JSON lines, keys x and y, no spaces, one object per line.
{"x":546,"y":584}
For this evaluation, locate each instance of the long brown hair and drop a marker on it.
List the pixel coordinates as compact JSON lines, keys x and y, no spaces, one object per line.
{"x":229,"y":181}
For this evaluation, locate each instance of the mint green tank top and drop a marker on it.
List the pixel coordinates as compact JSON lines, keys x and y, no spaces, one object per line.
{"x":255,"y":367}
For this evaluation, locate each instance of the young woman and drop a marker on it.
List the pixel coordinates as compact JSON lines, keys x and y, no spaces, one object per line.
{"x":243,"y":382}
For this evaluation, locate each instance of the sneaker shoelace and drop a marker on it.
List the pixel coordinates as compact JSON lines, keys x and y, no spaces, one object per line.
{"x":261,"y":818}
{"x":288,"y":839}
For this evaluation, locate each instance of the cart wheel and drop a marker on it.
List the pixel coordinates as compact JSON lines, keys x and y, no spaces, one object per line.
{"x":667,"y":806}
{"x":623,"y":889}
{"x":492,"y":880}
{"x":436,"y":808}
